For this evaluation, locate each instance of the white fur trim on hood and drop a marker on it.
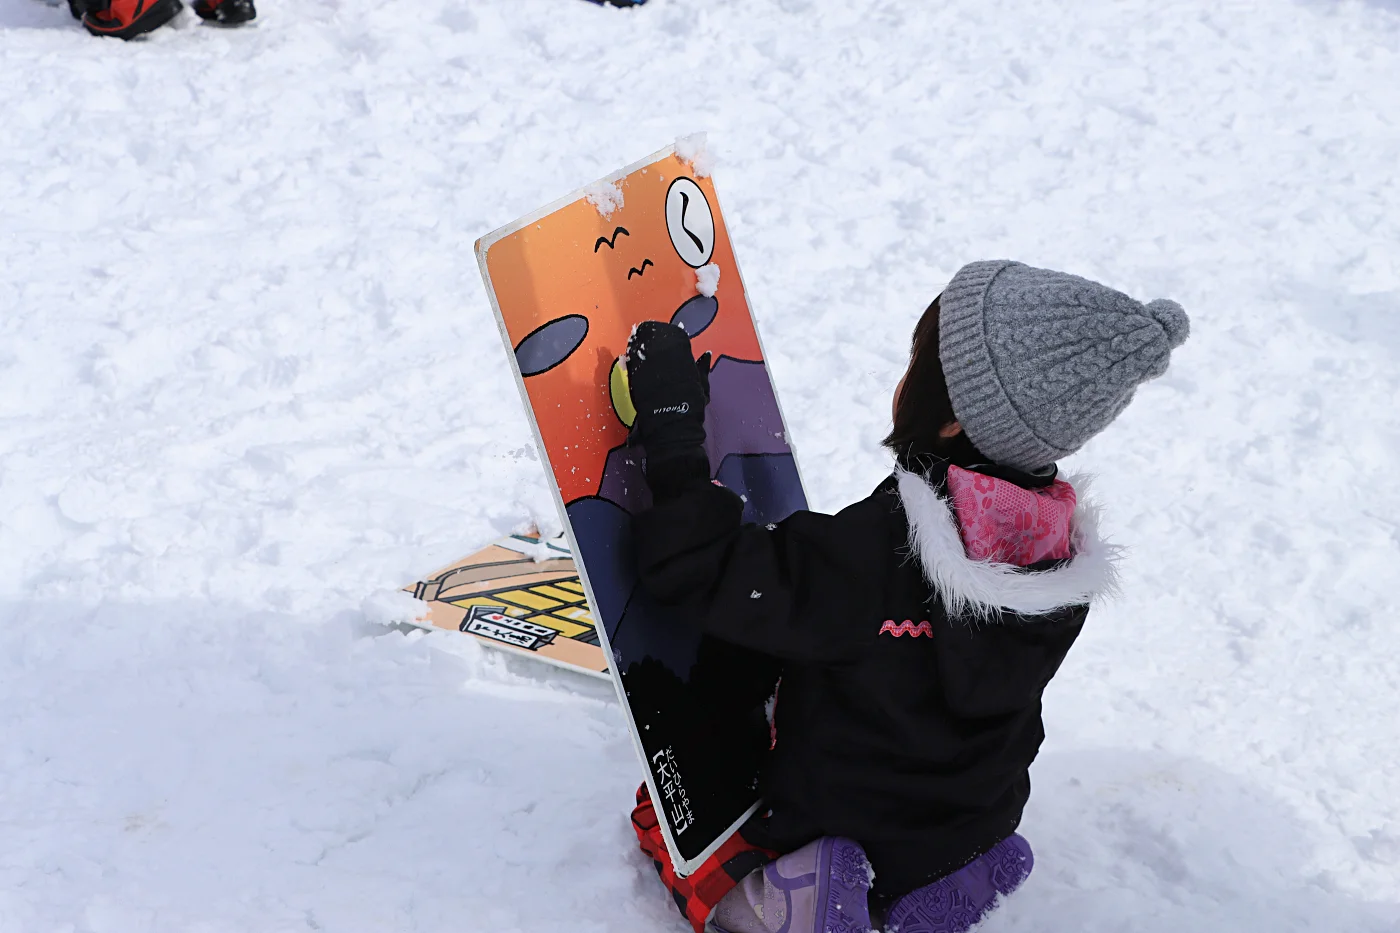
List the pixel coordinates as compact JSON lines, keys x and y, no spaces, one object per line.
{"x":982,"y":589}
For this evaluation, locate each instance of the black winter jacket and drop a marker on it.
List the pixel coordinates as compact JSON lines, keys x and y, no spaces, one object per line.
{"x":913,"y":739}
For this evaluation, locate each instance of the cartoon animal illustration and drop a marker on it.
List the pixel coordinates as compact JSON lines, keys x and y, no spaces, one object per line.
{"x":569,"y":283}
{"x":570,"y":286}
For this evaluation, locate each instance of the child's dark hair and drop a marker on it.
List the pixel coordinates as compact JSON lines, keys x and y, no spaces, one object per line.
{"x":923,"y":408}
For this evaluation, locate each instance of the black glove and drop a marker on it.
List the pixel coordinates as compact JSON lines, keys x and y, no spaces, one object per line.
{"x":670,"y":389}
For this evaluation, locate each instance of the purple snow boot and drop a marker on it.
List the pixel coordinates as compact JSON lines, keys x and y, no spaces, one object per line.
{"x":820,"y":888}
{"x":954,"y":903}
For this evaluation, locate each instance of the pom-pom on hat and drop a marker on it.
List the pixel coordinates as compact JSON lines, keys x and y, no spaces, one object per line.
{"x":1038,"y":362}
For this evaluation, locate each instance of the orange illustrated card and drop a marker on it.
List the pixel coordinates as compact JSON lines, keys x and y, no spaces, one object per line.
{"x":568,"y":284}
{"x":523,"y":594}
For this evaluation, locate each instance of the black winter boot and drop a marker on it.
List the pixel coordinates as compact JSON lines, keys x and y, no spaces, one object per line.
{"x":226,"y":12}
{"x":125,"y":19}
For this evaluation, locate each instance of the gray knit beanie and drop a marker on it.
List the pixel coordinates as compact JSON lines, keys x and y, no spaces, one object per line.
{"x":1038,"y":362}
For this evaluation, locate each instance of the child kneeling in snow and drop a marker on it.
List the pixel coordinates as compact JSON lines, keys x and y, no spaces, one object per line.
{"x":917,"y":629}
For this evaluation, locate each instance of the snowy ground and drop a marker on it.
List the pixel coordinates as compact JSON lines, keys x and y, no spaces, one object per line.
{"x":249,"y":383}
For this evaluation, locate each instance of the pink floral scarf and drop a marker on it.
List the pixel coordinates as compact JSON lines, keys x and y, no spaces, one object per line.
{"x":1003,"y":523}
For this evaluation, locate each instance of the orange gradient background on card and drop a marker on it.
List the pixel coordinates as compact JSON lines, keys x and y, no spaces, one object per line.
{"x":555,"y":266}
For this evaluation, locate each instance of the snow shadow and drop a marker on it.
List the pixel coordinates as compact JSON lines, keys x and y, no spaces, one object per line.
{"x":1388,"y":6}
{"x":1371,"y":318}
{"x":1151,"y":842}
{"x":198,"y":765}
{"x":35,"y":14}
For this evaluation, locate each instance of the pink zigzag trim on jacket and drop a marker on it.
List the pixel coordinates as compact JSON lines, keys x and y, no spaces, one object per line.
{"x":906,"y":628}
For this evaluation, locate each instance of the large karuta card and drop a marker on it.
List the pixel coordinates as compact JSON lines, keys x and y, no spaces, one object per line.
{"x":521,"y":593}
{"x":568,"y":283}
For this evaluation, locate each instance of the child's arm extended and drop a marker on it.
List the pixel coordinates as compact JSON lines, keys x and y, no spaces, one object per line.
{"x":802,"y":590}
{"x":797,"y":590}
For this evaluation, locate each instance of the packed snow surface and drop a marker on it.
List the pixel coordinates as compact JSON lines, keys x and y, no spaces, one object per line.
{"x":250,"y":383}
